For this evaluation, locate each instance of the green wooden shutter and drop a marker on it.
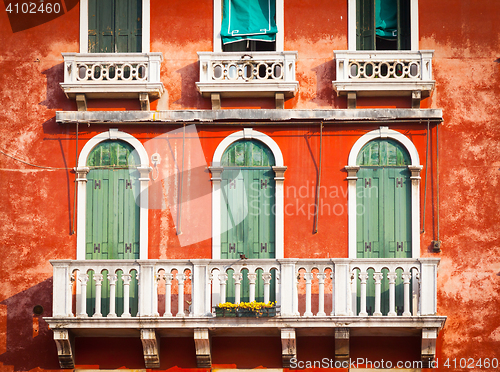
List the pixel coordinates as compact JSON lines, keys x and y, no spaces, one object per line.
{"x":128,"y":20}
{"x":115,"y":26}
{"x":365,"y":24}
{"x":404,"y":25}
{"x":397,"y":217}
{"x":101,"y":26}
{"x":369,"y":213}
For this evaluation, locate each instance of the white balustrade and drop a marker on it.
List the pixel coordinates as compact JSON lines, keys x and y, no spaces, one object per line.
{"x":372,"y":72}
{"x":247,"y":73}
{"x":102,"y":74}
{"x":300,"y":283}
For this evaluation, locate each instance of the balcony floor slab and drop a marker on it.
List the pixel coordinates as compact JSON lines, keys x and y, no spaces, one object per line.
{"x":184,"y":327}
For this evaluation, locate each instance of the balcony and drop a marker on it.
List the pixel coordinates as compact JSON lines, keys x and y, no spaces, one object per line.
{"x":247,"y":74}
{"x":384,"y":73}
{"x":179,"y":296}
{"x":112,"y":75}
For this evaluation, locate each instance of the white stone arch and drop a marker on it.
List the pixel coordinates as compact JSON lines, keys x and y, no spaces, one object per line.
{"x":415,"y":168}
{"x":82,"y":170}
{"x":216,"y":169}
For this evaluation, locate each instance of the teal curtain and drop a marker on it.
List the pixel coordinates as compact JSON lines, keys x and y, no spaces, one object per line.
{"x":386,"y":18}
{"x":248,"y":20}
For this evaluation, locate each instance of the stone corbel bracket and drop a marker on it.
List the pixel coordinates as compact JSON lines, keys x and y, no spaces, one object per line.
{"x":65,"y":348}
{"x":151,"y":347}
{"x":288,"y":346}
{"x":429,"y":337}
{"x":203,"y":350}
{"x":341,"y":344}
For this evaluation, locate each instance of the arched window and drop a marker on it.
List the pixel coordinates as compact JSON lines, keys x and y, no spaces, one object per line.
{"x":248,"y":209}
{"x":383,"y":175}
{"x":113,"y":217}
{"x":383,"y":191}
{"x":113,"y":170}
{"x":112,"y":212}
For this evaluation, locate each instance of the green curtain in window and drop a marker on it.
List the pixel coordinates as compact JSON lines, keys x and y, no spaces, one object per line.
{"x":248,"y":20}
{"x":386,"y":18}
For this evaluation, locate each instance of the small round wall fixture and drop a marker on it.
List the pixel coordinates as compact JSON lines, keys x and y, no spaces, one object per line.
{"x":38,"y":310}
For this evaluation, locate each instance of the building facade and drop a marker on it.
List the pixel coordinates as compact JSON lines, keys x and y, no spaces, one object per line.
{"x":165,"y":161}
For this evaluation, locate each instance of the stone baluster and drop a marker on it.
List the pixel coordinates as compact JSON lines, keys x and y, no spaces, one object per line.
{"x":237,"y":287}
{"x":113,"y":278}
{"x":69,"y":297}
{"x":155,"y":296}
{"x":83,"y":278}
{"x":168,"y":295}
{"x":406,"y":283}
{"x":127,"y":278}
{"x":332,"y":275}
{"x":180,"y":297}
{"x":98,"y":278}
{"x":308,"y":277}
{"x":378,"y":283}
{"x":223,"y":283}
{"x":392,"y":293}
{"x":267,"y":286}
{"x":364,"y":278}
{"x":321,"y":294}
{"x":251,"y":280}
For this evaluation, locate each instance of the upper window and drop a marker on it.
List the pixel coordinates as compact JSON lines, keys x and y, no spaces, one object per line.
{"x":383,"y":25}
{"x":115,"y":26}
{"x":248,"y":25}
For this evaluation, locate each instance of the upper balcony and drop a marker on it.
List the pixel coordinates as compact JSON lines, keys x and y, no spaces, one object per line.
{"x":384,"y":73}
{"x":341,"y":297}
{"x":247,"y":74}
{"x":112,"y":75}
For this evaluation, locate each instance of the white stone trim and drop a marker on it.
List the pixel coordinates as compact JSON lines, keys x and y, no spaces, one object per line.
{"x":248,"y":133}
{"x":351,"y":24}
{"x":280,"y":24}
{"x":113,"y":134}
{"x":84,"y":26}
{"x":385,"y":132}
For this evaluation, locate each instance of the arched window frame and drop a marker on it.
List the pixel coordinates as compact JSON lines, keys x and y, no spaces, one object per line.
{"x":82,"y":170}
{"x":415,"y":168}
{"x":216,"y":170}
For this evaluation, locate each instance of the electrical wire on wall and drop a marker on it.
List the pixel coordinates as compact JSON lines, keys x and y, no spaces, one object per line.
{"x":437,"y":243}
{"x":318,"y":186}
{"x":426,"y":176}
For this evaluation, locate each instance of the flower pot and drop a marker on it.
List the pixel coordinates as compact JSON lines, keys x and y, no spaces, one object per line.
{"x":223,"y":312}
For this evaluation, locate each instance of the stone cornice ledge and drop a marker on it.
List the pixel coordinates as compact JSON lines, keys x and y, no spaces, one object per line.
{"x":253,"y":116}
